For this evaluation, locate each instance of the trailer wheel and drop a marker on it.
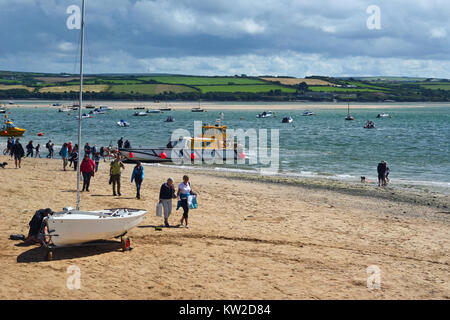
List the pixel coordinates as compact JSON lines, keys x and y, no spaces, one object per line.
{"x":49,"y":255}
{"x":126,"y":243}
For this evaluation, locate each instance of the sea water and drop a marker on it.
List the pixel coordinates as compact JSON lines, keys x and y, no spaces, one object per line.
{"x":414,"y":142}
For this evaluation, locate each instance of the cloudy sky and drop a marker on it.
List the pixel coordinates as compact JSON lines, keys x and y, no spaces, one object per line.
{"x":227,"y":37}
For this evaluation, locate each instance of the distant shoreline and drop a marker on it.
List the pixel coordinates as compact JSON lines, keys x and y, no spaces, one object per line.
{"x":185,"y":105}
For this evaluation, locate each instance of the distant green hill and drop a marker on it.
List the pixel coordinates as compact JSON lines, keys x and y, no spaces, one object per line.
{"x":24,"y":85}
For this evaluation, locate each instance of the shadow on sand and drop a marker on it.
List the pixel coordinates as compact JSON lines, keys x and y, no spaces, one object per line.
{"x":39,"y":254}
{"x":160,"y":226}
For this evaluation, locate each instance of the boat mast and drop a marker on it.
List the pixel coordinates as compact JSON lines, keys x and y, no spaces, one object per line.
{"x":80,"y":104}
{"x":348,"y":108}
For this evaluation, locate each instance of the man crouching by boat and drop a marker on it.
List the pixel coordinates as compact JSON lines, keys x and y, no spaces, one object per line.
{"x":36,"y":224}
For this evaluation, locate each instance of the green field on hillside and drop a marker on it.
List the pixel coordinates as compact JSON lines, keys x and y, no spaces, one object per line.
{"x":245,"y":88}
{"x":364,"y":85}
{"x":108,"y":81}
{"x":437,"y":86}
{"x":202,"y":81}
{"x":337,"y":90}
{"x":149,"y":88}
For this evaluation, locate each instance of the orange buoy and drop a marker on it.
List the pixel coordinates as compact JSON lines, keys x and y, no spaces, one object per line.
{"x":40,"y":134}
{"x":163,"y":155}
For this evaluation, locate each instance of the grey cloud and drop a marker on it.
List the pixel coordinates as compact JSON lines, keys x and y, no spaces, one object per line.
{"x":227,"y":37}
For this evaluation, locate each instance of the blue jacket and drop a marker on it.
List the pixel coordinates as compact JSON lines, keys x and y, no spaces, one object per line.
{"x":64,"y":152}
{"x":135,"y":174}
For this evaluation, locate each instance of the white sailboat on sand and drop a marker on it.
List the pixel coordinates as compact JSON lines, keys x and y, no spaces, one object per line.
{"x":73,"y":227}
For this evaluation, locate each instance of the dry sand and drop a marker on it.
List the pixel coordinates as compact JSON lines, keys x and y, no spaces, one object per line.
{"x":248,"y":240}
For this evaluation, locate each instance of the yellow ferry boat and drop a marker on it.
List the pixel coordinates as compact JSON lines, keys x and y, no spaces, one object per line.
{"x":212,"y":144}
{"x":10,"y":130}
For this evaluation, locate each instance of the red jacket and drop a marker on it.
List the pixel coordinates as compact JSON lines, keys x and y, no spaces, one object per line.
{"x":87,"y":166}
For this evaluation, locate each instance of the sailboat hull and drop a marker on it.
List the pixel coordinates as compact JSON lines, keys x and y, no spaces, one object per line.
{"x":79,"y":227}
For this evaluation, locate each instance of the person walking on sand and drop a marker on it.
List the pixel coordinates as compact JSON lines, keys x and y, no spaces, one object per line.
{"x":94,"y":151}
{"x":64,"y":153}
{"x":381,"y":169}
{"x":386,"y":178}
{"x":138,"y":177}
{"x":9,"y":146}
{"x":184,"y":191}
{"x":30,"y":149}
{"x":166,"y":194}
{"x":11,"y":153}
{"x":74,"y":158}
{"x":69,"y":147}
{"x":96,"y":159}
{"x":102,"y":153}
{"x":115,"y":172}
{"x":52,"y":150}
{"x":87,"y":168}
{"x":18,"y":153}
{"x":87,"y":149}
{"x":48,"y":146}
{"x":38,"y":153}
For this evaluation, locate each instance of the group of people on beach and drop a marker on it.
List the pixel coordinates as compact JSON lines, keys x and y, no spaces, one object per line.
{"x":89,"y":166}
{"x":383,"y":174}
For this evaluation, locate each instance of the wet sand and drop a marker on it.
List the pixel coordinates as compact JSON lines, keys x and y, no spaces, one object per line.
{"x":250,"y":238}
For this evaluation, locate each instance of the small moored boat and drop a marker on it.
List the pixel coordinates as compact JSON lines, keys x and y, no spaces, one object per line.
{"x":369,"y":125}
{"x":265,"y":114}
{"x":287,"y":120}
{"x":85,"y":116}
{"x":123,"y":123}
{"x":170,"y":119}
{"x":308,"y":113}
{"x":383,"y":115}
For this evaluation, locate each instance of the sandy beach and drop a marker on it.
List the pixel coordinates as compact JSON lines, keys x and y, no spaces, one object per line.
{"x":231,"y":105}
{"x":250,"y":238}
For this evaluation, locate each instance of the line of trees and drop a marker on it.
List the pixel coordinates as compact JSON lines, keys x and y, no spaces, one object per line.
{"x":401,"y":94}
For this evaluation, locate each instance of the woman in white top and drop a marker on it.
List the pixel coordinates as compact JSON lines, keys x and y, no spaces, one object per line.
{"x":184,"y":191}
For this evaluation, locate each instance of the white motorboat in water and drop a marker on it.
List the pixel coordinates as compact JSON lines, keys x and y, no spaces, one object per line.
{"x":265,"y":114}
{"x":104,"y":108}
{"x":287,"y":120}
{"x":197,"y":109}
{"x":383,"y":115}
{"x":72,"y":227}
{"x":308,"y":113}
{"x":123,"y":123}
{"x":85,"y":116}
{"x":140,"y":114}
{"x":153,"y":111}
{"x":99,"y":111}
